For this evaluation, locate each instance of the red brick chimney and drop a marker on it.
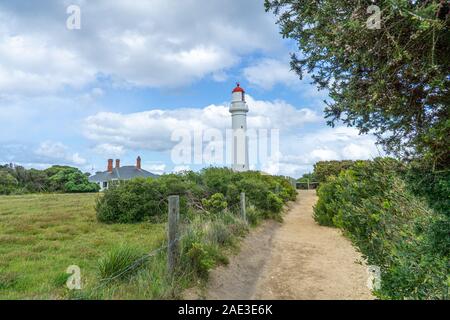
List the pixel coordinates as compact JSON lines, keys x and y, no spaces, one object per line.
{"x":138,"y":163}
{"x":110,"y":165}
{"x":117,"y":163}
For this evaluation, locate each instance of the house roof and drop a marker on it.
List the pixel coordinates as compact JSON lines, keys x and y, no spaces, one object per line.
{"x":121,"y":173}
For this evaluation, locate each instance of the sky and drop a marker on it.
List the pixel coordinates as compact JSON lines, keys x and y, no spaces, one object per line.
{"x":136,"y":71}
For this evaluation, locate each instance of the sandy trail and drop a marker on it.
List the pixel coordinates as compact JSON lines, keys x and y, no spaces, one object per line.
{"x":297,"y":259}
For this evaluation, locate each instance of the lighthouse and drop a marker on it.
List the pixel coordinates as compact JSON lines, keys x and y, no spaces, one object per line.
{"x":238,"y":110}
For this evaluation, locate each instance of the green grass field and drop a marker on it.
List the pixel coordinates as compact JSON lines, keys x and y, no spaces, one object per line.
{"x":41,"y":235}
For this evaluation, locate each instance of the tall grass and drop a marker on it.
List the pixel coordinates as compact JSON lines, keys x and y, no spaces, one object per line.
{"x":120,"y":262}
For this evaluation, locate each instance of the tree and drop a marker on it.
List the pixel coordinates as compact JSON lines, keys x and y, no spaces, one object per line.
{"x":68,"y":179}
{"x":393,"y":81}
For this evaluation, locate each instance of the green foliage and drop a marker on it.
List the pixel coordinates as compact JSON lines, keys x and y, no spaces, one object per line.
{"x":325,"y":169}
{"x":326,"y":208}
{"x":18,"y":180}
{"x":393,"y":81}
{"x":391,"y":227}
{"x":213,"y":190}
{"x":7,"y":183}
{"x":68,"y":179}
{"x":202,"y":257}
{"x":216,"y":203}
{"x":116,"y":263}
{"x":432,"y":185}
{"x":311,"y":177}
{"x":140,"y":199}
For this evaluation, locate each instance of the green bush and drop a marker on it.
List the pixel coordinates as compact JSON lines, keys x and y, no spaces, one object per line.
{"x":202,"y":257}
{"x":140,"y":199}
{"x":216,"y":203}
{"x":432,"y":185}
{"x":213,"y":189}
{"x":392,"y":228}
{"x":200,"y":247}
{"x":325,"y":169}
{"x":326,"y":208}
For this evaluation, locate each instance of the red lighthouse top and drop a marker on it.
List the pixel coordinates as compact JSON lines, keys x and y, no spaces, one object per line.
{"x":238,"y":88}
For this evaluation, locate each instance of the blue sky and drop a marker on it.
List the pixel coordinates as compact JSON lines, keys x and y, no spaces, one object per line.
{"x":136,"y":71}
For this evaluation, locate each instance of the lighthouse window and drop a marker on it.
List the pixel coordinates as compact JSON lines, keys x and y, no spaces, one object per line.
{"x":242,"y":127}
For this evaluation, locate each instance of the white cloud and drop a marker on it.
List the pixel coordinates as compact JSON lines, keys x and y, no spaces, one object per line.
{"x":141,"y":43}
{"x":109,"y":150}
{"x":266,"y":73}
{"x":152,"y":130}
{"x":31,"y":65}
{"x":157,"y":168}
{"x":56,"y":151}
{"x":340,"y":143}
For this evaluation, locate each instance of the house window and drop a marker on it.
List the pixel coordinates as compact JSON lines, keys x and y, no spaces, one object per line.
{"x":105,"y":184}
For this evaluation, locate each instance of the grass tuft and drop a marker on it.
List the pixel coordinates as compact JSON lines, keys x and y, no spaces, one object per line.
{"x":116,"y":263}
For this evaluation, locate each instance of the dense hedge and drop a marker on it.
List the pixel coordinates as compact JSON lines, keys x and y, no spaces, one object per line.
{"x":209,"y":191}
{"x":393,"y":228}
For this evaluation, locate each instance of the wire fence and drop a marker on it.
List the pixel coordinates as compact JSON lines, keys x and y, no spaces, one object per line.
{"x":182,"y":230}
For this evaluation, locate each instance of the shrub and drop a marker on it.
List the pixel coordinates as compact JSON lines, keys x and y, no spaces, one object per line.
{"x":140,"y":199}
{"x":120,"y":262}
{"x":432,"y":185}
{"x":325,"y":208}
{"x":204,"y":257}
{"x":216,"y":203}
{"x":274,"y":203}
{"x":325,"y":169}
{"x":214,"y":189}
{"x":391,"y":227}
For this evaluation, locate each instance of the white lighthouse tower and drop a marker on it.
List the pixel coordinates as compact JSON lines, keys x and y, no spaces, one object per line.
{"x":238,"y":110}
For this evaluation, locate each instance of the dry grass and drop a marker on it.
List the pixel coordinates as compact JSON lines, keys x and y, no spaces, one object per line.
{"x":41,"y":235}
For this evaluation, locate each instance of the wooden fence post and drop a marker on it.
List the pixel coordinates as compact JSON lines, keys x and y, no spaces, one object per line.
{"x":173,"y":248}
{"x":243,"y":209}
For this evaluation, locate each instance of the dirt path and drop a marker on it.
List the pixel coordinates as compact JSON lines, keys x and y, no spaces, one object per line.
{"x":297,"y":259}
